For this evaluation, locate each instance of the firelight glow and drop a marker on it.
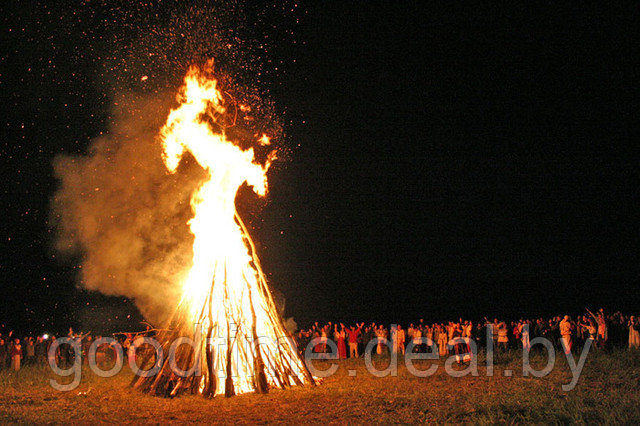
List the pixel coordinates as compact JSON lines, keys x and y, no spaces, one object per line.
{"x":225,"y":290}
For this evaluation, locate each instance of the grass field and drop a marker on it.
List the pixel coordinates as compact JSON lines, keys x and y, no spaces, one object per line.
{"x":608,"y":391}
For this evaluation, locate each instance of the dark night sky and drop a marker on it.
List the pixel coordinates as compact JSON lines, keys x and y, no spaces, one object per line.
{"x":444,"y":161}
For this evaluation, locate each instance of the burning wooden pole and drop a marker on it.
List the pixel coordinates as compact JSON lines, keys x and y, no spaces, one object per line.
{"x":225,"y":293}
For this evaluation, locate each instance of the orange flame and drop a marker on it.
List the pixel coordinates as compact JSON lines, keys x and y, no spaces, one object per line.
{"x":225,"y":290}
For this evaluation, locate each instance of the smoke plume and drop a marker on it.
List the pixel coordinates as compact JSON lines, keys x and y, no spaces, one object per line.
{"x":123,"y":215}
{"x":117,"y":211}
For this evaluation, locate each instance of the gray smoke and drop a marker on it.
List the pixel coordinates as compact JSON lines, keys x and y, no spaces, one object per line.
{"x":120,"y":212}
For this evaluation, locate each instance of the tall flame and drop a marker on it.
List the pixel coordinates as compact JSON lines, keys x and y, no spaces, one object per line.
{"x":225,"y":292}
{"x":218,"y":243}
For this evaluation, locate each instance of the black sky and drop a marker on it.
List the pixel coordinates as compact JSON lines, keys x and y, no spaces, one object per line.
{"x":444,"y":161}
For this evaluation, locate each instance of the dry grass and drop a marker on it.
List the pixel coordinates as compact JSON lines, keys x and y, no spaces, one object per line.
{"x":607,"y":391}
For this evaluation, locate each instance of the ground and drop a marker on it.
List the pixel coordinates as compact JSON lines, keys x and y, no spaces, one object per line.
{"x":608,"y":390}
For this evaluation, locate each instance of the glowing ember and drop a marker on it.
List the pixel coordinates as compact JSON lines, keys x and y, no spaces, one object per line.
{"x":245,"y":346}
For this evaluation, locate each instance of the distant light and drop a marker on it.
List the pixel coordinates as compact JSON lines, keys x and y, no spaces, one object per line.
{"x":45,"y":336}
{"x":143,"y":78}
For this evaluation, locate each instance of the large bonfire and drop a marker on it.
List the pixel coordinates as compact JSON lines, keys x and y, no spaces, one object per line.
{"x":241,"y":344}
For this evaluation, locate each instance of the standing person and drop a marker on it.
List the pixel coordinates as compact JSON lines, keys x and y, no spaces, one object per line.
{"x":410,"y":332}
{"x":601,"y":321}
{"x":394,"y":338}
{"x":340,"y":335}
{"x":566,"y":331}
{"x":56,"y":357}
{"x":353,"y":334}
{"x":517,"y":331}
{"x":590,"y":331}
{"x":580,"y":332}
{"x":323,"y":338}
{"x":364,"y":338}
{"x":554,"y":326}
{"x":436,"y":334}
{"x":380,"y":335}
{"x":503,"y":336}
{"x":493,"y":327}
{"x":450,"y":330}
{"x":523,"y":328}
{"x":429,"y":335}
{"x":467,"y":331}
{"x":460,"y":346}
{"x":417,"y":339}
{"x":634,"y":333}
{"x":443,"y":340}
{"x":16,"y":355}
{"x":617,"y":331}
{"x":547,"y":331}
{"x":41,"y":351}
{"x":400,"y":338}
{"x":30,"y":351}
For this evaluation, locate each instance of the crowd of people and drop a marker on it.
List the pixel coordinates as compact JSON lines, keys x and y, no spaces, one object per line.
{"x":454,"y":337}
{"x":342,"y":341}
{"x":17,"y":352}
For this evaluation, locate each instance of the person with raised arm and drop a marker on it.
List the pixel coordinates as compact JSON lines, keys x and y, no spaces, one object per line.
{"x":353,"y":334}
{"x":601,"y":321}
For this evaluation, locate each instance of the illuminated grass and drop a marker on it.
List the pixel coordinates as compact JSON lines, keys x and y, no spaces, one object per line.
{"x":608,"y":390}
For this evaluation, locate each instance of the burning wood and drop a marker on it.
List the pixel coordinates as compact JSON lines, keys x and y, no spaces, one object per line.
{"x":238,"y":341}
